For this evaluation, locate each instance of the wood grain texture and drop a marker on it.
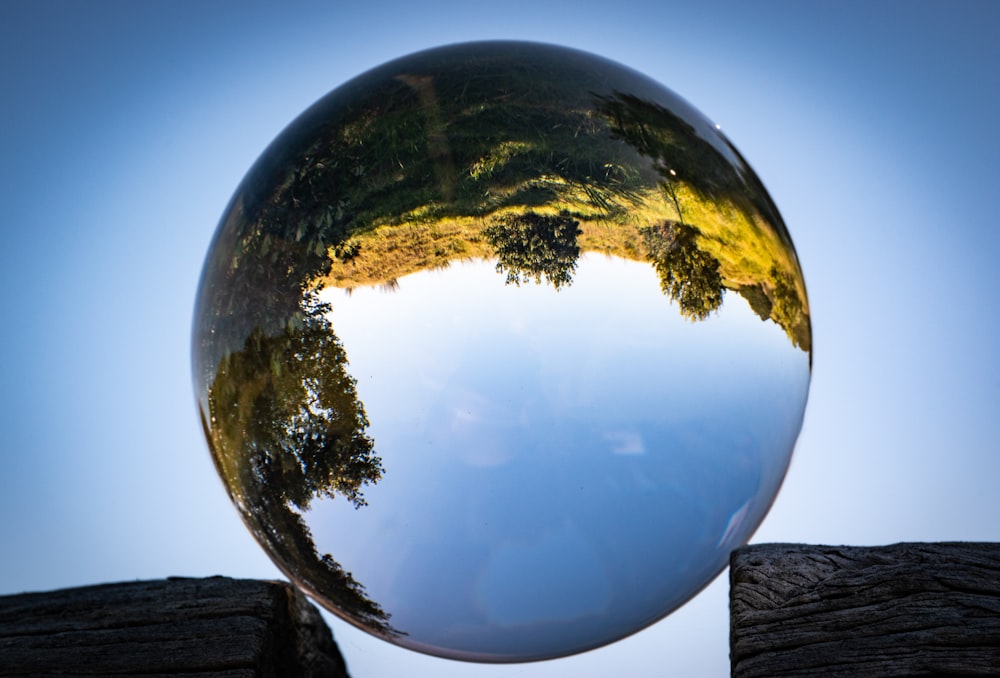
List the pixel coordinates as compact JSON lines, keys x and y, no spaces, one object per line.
{"x":918,"y":609}
{"x":205,"y":628}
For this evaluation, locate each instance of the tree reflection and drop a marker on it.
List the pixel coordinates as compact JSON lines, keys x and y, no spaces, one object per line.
{"x":287,"y":427}
{"x":688,"y":275}
{"x":760,"y":266}
{"x":787,"y":309}
{"x":532,"y":246}
{"x":674,"y":146}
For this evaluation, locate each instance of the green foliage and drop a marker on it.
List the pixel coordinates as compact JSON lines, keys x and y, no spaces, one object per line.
{"x":533,"y":246}
{"x":788,"y":311}
{"x":756,"y":297}
{"x":286,"y":408}
{"x":284,"y":531}
{"x":688,"y":275}
{"x":757,"y":261}
{"x":286,"y":428}
{"x":678,"y":151}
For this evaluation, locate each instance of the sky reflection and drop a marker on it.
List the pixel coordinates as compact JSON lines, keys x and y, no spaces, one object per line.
{"x":558,"y":463}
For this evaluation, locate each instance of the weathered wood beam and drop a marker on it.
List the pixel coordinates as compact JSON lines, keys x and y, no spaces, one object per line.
{"x":199,"y":628}
{"x":901,"y":610}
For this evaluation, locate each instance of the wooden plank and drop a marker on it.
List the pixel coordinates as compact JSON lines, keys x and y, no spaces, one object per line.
{"x":205,"y":628}
{"x":915,"y":609}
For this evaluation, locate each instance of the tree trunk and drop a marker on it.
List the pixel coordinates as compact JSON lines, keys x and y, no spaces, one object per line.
{"x":198,"y":628}
{"x":901,"y":610}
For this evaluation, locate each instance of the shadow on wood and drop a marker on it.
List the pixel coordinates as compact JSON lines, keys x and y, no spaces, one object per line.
{"x":900,"y":610}
{"x":205,"y":628}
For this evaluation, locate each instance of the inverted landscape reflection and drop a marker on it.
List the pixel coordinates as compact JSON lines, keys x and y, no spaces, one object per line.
{"x":500,"y":349}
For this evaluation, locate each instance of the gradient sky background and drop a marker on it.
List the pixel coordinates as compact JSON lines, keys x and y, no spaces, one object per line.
{"x":126,"y":126}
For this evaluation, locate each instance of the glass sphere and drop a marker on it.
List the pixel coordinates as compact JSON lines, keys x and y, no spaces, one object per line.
{"x":500,"y":349}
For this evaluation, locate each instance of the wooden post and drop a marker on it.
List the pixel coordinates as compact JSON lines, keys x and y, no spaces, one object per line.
{"x":901,"y":610}
{"x":204,"y":628}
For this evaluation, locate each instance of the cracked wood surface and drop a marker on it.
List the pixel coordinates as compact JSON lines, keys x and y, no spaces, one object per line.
{"x":916,"y":609}
{"x":199,"y":628}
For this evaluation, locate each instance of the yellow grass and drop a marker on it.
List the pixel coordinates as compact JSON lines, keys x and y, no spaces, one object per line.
{"x":750,"y":252}
{"x":745,"y":245}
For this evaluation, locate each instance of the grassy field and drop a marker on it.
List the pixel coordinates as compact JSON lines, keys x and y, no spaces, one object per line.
{"x":750,"y":253}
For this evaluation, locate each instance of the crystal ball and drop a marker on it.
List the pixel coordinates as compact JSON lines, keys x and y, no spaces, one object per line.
{"x":500,"y":349}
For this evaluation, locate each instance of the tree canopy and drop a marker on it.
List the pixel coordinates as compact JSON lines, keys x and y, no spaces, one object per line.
{"x":286,"y":428}
{"x":688,"y":275}
{"x":533,"y":246}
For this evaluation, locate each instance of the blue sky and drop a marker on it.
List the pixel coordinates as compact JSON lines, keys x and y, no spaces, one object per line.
{"x":126,"y":127}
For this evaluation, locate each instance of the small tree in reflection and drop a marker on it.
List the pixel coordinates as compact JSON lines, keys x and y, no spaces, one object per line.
{"x":688,"y":275}
{"x":533,"y":246}
{"x":788,"y":311}
{"x":287,"y":427}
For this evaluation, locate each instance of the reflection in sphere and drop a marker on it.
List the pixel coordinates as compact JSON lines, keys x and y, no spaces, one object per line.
{"x":500,"y":349}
